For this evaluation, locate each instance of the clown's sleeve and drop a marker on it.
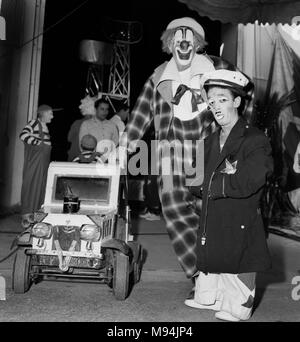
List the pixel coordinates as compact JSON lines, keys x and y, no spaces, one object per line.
{"x":140,"y":117}
{"x":243,"y":178}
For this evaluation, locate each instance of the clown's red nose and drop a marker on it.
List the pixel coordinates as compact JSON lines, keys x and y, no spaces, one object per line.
{"x":184,"y":45}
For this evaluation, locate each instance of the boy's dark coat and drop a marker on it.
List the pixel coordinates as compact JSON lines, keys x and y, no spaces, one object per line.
{"x":235,"y":236}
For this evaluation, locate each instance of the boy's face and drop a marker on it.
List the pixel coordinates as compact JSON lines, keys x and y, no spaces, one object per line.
{"x":102,"y":111}
{"x":223,"y":105}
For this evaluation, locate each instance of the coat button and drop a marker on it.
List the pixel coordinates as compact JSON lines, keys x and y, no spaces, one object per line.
{"x":242,"y":226}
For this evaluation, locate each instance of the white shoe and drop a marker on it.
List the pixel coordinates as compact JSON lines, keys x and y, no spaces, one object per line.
{"x":145,"y":214}
{"x":193,"y":304}
{"x":226,"y":316}
{"x":152,"y":217}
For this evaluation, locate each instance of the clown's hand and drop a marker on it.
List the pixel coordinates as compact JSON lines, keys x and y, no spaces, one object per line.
{"x":196,"y":187}
{"x":296,"y":167}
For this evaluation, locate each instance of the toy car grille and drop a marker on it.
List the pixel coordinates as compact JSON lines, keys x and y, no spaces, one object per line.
{"x":65,"y":235}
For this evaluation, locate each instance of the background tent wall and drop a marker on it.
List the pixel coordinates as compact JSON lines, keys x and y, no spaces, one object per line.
{"x":19,"y":82}
{"x":254,"y":54}
{"x":250,"y":47}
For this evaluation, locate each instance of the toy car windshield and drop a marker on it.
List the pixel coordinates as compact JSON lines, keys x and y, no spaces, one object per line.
{"x":86,"y":188}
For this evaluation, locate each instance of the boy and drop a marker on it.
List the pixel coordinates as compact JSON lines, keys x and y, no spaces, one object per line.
{"x":88,"y":146}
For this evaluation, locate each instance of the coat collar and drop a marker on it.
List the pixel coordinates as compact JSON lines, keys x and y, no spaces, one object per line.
{"x":237,"y":131}
{"x":231,"y":146}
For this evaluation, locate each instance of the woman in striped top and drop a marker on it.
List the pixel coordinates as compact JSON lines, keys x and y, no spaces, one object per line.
{"x":37,"y":144}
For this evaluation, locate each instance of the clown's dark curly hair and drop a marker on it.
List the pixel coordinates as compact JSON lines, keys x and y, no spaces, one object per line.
{"x":168,"y":35}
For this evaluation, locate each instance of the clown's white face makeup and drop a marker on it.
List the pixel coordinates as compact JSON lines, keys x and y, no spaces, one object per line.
{"x":223,"y":106}
{"x":183,"y":47}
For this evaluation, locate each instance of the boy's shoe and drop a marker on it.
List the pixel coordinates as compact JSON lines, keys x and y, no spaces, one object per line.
{"x":193,"y":304}
{"x":191,"y":294}
{"x":226,"y":316}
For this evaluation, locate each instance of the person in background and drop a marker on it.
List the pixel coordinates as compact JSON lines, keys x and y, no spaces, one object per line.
{"x":121,"y":117}
{"x":152,"y":206}
{"x":87,"y":109}
{"x":37,"y":150}
{"x":101,"y":128}
{"x":152,"y":210}
{"x":231,"y":242}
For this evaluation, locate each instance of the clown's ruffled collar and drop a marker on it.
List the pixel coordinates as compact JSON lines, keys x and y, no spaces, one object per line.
{"x":169,"y":72}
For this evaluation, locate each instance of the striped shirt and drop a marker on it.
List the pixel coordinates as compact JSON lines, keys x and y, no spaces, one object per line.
{"x":31,"y":133}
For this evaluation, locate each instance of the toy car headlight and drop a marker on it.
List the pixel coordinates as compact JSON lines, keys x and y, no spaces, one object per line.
{"x":42,"y":230}
{"x":90,"y":232}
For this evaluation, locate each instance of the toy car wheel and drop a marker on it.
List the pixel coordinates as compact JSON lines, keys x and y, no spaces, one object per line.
{"x":121,"y":276}
{"x":21,"y":280}
{"x":136,"y":260}
{"x":109,"y":255}
{"x":137,"y":272}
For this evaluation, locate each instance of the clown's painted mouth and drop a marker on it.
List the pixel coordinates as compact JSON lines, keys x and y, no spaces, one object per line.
{"x":184,"y":55}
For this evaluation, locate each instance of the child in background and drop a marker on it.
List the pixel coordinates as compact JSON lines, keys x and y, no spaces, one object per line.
{"x":88,"y":154}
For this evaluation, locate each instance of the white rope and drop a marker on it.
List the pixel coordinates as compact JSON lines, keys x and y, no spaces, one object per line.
{"x":64,"y":262}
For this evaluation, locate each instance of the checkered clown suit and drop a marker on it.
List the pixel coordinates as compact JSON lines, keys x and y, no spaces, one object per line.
{"x":156,"y":102}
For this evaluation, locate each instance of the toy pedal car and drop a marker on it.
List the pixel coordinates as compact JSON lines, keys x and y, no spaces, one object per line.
{"x":78,"y":233}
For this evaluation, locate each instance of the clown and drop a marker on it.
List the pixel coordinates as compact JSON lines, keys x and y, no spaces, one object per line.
{"x":171,"y":97}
